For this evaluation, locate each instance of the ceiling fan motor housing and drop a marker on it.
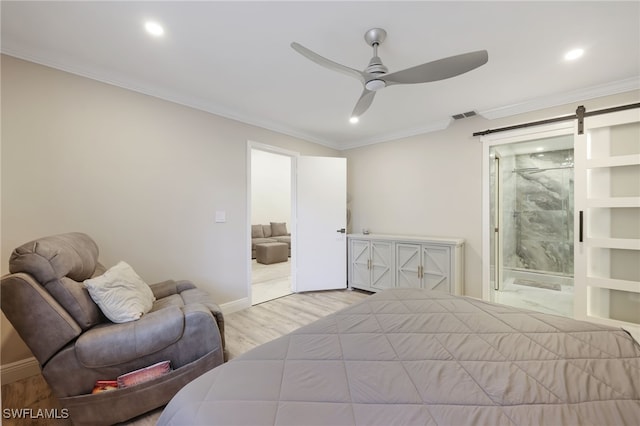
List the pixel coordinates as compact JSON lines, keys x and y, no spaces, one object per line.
{"x":376,"y":68}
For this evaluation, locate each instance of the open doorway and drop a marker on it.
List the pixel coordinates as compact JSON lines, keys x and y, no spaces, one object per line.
{"x":271,"y":213}
{"x":533,"y":210}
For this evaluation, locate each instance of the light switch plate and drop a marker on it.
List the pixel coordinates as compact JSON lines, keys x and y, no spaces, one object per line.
{"x":221,"y":216}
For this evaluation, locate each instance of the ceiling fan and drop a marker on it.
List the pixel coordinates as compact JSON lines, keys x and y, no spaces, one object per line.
{"x":376,"y":76}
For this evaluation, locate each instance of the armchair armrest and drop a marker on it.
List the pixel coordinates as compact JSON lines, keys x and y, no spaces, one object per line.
{"x":167,"y":288}
{"x":183,"y":285}
{"x":163,"y":289}
{"x":197,"y":296}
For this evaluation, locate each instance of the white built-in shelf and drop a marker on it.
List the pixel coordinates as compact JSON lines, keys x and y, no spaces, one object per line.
{"x":615,"y":243}
{"x":611,"y":284}
{"x":614,"y":202}
{"x":621,"y":160}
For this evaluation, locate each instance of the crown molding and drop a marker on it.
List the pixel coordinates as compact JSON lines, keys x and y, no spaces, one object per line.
{"x":606,"y":89}
{"x":391,"y":136}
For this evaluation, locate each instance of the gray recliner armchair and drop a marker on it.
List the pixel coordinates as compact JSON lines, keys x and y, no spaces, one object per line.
{"x":76,"y":345}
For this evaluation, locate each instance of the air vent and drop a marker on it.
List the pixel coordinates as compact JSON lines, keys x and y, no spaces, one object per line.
{"x":464,"y":115}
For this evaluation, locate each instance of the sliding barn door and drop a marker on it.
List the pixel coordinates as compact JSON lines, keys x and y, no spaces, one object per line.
{"x":607,"y":221}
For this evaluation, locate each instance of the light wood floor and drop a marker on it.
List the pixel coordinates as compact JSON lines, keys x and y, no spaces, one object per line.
{"x":244,"y":330}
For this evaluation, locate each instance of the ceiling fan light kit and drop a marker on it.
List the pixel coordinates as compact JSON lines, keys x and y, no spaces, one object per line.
{"x":375,"y":84}
{"x":376,"y":76}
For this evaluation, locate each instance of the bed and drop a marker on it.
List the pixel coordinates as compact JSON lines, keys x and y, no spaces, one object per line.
{"x":417,"y":357}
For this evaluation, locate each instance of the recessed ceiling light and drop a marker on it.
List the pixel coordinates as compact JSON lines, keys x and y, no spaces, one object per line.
{"x":154,"y":28}
{"x":540,"y":148}
{"x":354,"y":120}
{"x":573,"y":54}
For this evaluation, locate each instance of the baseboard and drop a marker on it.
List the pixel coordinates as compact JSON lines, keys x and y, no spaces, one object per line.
{"x":19,"y":370}
{"x":235,"y":305}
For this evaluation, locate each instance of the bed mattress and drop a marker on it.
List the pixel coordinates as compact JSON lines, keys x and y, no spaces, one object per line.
{"x":417,"y":357}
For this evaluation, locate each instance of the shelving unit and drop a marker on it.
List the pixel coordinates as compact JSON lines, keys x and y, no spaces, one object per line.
{"x":607,"y":188}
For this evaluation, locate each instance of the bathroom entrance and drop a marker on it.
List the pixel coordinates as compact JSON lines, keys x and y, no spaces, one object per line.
{"x":532,"y":210}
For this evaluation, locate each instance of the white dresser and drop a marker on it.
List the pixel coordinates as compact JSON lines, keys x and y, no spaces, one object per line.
{"x":381,"y":261}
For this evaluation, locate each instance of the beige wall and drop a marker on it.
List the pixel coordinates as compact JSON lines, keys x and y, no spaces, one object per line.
{"x":431,"y":184}
{"x":142,"y":176}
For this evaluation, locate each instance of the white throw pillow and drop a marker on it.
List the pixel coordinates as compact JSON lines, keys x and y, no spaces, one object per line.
{"x":120,"y":293}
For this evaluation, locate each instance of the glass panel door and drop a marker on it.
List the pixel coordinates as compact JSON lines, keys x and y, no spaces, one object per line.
{"x":531,"y":201}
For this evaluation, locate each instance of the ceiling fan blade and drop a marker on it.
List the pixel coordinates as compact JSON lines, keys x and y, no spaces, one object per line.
{"x":327,"y":63}
{"x":438,"y":70}
{"x":363,"y":103}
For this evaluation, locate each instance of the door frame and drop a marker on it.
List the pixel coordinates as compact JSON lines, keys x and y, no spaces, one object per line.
{"x":488,"y":142}
{"x":251,"y":145}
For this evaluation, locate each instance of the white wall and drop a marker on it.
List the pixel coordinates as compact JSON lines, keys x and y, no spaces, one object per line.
{"x":144,"y":177}
{"x":270,"y":188}
{"x":431,"y":184}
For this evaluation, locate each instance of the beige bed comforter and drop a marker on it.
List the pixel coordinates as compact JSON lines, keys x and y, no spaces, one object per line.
{"x":415,"y":357}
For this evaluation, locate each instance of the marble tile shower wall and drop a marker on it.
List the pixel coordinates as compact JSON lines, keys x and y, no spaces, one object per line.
{"x":538,"y":215}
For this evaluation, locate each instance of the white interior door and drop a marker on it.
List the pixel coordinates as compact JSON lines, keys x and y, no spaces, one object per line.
{"x":321,"y":248}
